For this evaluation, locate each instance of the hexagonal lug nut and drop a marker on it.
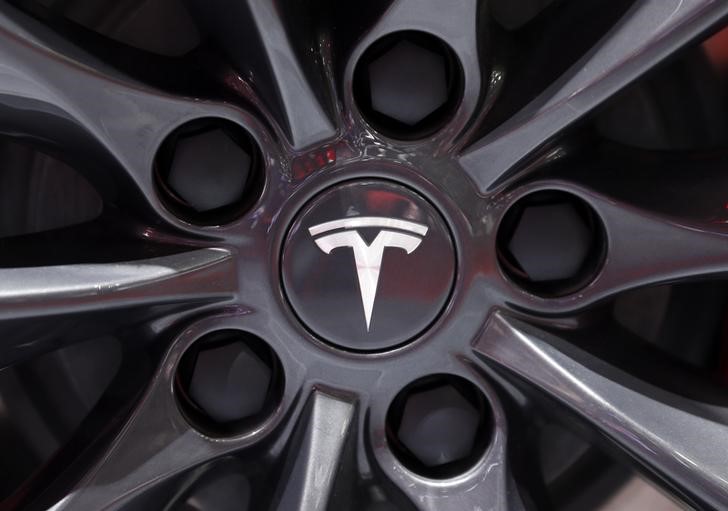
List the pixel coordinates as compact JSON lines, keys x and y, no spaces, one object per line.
{"x":408,"y":82}
{"x":439,"y":426}
{"x":209,"y":170}
{"x":551,"y":242}
{"x":230,"y":382}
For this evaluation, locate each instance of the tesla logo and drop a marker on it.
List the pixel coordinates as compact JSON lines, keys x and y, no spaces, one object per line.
{"x":394,"y":233}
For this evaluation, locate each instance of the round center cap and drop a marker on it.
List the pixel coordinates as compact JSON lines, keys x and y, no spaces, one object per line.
{"x":368,"y":265}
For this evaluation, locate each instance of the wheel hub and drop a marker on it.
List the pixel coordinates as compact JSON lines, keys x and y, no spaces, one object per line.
{"x":368,"y":265}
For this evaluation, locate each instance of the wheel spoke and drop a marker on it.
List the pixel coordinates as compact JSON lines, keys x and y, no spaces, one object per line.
{"x":206,"y":274}
{"x":649,"y":33}
{"x":157,"y":442}
{"x":318,"y":453}
{"x":231,"y":385}
{"x":198,"y":276}
{"x":489,"y":484}
{"x":493,"y":489}
{"x":457,"y":24}
{"x":108,"y":126}
{"x":681,"y":442}
{"x":282,"y":80}
{"x":643,"y":248}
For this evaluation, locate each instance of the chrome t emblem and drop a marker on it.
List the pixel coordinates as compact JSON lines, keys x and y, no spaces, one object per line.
{"x":394,"y":233}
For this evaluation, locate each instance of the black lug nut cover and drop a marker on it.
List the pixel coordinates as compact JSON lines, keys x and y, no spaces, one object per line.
{"x":439,"y":426}
{"x":551,"y":243}
{"x":408,"y":84}
{"x":229,"y":382}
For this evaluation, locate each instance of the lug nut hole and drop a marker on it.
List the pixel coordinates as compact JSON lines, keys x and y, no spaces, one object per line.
{"x":228,"y":382}
{"x":551,"y":243}
{"x":439,"y":426}
{"x":209,"y":171}
{"x":408,"y":85}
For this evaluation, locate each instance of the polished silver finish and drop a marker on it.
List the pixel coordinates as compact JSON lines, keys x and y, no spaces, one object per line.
{"x":369,"y":221}
{"x":368,"y":256}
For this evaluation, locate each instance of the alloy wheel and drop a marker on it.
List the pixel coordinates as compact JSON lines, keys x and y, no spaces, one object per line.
{"x":364,"y":262}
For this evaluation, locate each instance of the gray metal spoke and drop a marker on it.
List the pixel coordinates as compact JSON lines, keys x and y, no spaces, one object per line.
{"x":56,"y":94}
{"x":155,"y":444}
{"x":643,"y":248}
{"x":190,"y":279}
{"x":492,"y":489}
{"x":457,"y":23}
{"x":681,"y":442}
{"x":280,"y":74}
{"x":317,"y":454}
{"x":198,"y":275}
{"x":651,"y":31}
{"x":489,"y":484}
{"x":307,"y":121}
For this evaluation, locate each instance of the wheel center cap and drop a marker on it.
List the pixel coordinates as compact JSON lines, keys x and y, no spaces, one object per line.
{"x":368,"y":265}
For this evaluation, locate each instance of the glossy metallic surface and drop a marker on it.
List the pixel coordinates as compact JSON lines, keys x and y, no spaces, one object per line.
{"x":368,"y":265}
{"x":114,"y":284}
{"x":650,"y":32}
{"x":680,"y":440}
{"x":449,"y":295}
{"x":368,"y":257}
{"x":328,"y":424}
